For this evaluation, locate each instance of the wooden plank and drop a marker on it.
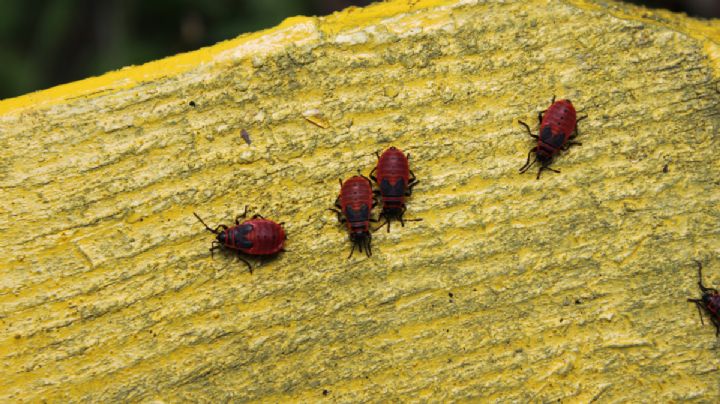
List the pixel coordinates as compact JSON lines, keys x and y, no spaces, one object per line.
{"x":572,"y":287}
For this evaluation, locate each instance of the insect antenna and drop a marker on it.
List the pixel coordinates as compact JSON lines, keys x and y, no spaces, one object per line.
{"x":206,"y":226}
{"x":700,"y":282}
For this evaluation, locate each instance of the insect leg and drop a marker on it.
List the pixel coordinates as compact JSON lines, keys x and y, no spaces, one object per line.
{"x":699,"y":305}
{"x":546,"y":168}
{"x":215,"y":246}
{"x":528,"y":129}
{"x":257,"y":216}
{"x":373,"y":176}
{"x":403,"y":220}
{"x":700,"y":312}
{"x":352,"y":250}
{"x":368,"y":179}
{"x":568,"y":144}
{"x":409,"y":190}
{"x":413,"y":181}
{"x":576,"y":132}
{"x":237,"y":219}
{"x":381,"y":226}
{"x":340,"y":217}
{"x":246,"y":263}
{"x":540,"y":114}
{"x":528,"y":163}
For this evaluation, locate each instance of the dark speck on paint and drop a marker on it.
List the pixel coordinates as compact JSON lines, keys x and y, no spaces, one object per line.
{"x":245,"y":135}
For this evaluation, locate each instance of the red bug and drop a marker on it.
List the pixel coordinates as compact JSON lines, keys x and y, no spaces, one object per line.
{"x":355,"y":202}
{"x":710,"y":302}
{"x":558,"y":126}
{"x":396,"y":181}
{"x":257,"y":236}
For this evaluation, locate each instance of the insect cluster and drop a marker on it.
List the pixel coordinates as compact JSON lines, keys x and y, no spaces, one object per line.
{"x":393,"y":183}
{"x":357,"y":198}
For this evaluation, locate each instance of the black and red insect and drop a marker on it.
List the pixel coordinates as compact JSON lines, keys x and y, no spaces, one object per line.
{"x":354,"y":204}
{"x":709,"y":301}
{"x":558,"y":126}
{"x":395,"y":180}
{"x":255,"y":237}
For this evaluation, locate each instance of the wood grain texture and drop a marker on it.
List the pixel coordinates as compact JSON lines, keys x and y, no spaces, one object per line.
{"x":572,"y":287}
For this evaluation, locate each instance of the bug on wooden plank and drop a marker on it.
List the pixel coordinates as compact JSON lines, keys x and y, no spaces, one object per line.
{"x":558,"y":126}
{"x":354,"y":204}
{"x":709,"y":301}
{"x":395,"y":180}
{"x":255,"y":237}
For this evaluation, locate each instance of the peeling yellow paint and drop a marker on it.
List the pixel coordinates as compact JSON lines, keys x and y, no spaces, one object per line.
{"x":570,"y":288}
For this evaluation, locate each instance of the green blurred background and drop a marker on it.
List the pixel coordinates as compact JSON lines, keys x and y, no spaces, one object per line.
{"x":49,"y":42}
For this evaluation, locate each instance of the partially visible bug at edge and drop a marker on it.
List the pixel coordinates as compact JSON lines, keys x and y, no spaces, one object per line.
{"x":354,"y":204}
{"x":255,"y":237}
{"x":709,"y":301}
{"x":395,"y":180}
{"x":558,"y":126}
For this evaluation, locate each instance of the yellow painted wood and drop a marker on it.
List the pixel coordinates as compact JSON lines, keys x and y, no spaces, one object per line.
{"x":569,"y":288}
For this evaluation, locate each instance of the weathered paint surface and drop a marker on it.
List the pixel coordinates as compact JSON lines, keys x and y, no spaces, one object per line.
{"x":571,"y":287}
